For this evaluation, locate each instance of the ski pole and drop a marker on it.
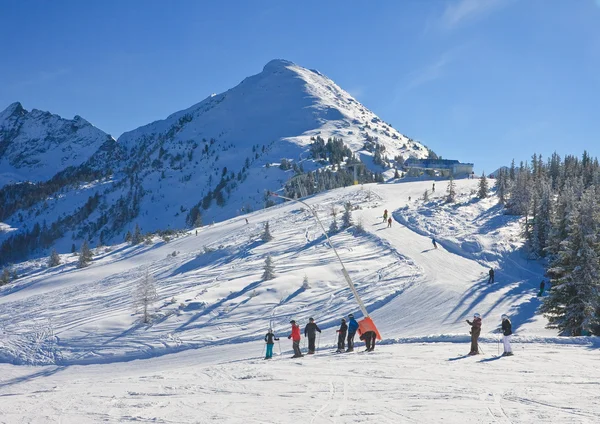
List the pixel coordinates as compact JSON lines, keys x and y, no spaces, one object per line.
{"x":319,"y":342}
{"x":498,"y":344}
{"x":479,"y":348}
{"x":279,"y":344}
{"x":263,"y":349}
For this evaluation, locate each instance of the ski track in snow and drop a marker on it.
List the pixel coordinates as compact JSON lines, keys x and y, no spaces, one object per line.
{"x":417,"y":296}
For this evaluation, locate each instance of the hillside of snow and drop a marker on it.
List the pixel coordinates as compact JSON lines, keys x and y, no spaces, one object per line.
{"x":199,"y":360}
{"x":218,"y":157}
{"x":36,"y":145}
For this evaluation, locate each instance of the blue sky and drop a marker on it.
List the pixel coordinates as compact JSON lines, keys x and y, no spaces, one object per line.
{"x":476,"y":80}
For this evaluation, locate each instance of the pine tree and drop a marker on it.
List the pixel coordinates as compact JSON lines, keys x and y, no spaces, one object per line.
{"x":482,"y":193}
{"x":266,"y":235}
{"x":502,"y":186}
{"x":305,"y":283}
{"x":333,"y":227}
{"x":73,"y":248}
{"x":451,"y":190}
{"x":5,"y":277}
{"x":574,"y":300}
{"x":145,"y":295}
{"x":269,"y":269}
{"x":54,"y":259}
{"x":128,"y":237}
{"x":85,"y":255}
{"x":347,"y":217}
{"x":137,"y":237}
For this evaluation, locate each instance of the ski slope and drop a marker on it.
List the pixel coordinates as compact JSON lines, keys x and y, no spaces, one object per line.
{"x":199,"y":360}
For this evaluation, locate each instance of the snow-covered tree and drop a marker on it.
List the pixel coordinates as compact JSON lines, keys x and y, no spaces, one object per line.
{"x":5,"y":277}
{"x":266,"y":234}
{"x":85,"y":255}
{"x":574,"y":299}
{"x":451,"y":190}
{"x":502,"y":186}
{"x":482,"y":193}
{"x":305,"y":283}
{"x":347,"y":217}
{"x":145,"y":295}
{"x":54,"y":259}
{"x":269,"y":269}
{"x":426,"y":196}
{"x":137,"y":237}
{"x":333,"y":227}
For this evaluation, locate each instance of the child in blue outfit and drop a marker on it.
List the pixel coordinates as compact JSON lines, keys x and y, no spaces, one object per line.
{"x":269,"y":337}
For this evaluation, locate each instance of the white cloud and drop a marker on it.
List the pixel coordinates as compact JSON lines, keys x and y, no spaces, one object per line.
{"x":461,"y":11}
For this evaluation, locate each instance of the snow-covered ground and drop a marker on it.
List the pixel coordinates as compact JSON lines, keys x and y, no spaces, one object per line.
{"x":200,"y":359}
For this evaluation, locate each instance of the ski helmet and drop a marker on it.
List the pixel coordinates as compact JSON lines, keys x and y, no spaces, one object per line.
{"x":476,"y":315}
{"x":292,"y":322}
{"x":350,"y":316}
{"x":504,"y":316}
{"x":343,"y":319}
{"x":311,"y":319}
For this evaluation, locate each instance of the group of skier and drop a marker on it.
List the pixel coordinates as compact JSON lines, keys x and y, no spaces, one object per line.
{"x":476,"y":331}
{"x":345,"y":333}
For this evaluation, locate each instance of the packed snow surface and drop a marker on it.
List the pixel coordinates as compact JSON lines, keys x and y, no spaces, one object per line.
{"x":200,"y":359}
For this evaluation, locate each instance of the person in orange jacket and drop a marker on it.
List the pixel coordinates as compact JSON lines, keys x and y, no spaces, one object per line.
{"x":295,"y":336}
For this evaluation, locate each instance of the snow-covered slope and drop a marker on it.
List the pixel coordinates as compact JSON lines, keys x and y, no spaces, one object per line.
{"x":219,"y":156}
{"x":36,"y":145}
{"x":201,"y":352}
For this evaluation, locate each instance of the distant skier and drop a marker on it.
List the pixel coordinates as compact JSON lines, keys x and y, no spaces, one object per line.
{"x":246,"y":220}
{"x":389,"y":222}
{"x":310,"y":331}
{"x":433,"y":188}
{"x":295,"y":336}
{"x":352,"y":327}
{"x":507,"y":331}
{"x":342,"y":336}
{"x":434,"y":243}
{"x":269,"y":337}
{"x":542,"y":287}
{"x":409,"y":198}
{"x":491,"y":273}
{"x":385,"y":216}
{"x":369,"y":339}
{"x":475,"y":332}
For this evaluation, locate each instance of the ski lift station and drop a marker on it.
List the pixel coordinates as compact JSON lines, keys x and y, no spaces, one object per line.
{"x":443,"y":167}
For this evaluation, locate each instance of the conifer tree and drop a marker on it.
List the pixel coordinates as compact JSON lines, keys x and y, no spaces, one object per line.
{"x":5,"y":277}
{"x":347,"y":217}
{"x":54,"y":259}
{"x":574,"y":300}
{"x":482,"y":193}
{"x":137,"y":237}
{"x":266,"y":235}
{"x":85,"y":255}
{"x":451,"y":190}
{"x":269,"y":269}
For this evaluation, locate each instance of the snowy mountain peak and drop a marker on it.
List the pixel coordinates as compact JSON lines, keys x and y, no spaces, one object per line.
{"x":13,"y":109}
{"x":277,"y":64}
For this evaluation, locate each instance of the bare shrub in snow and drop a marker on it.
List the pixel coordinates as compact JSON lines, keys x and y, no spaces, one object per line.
{"x":305,"y":283}
{"x":145,"y":295}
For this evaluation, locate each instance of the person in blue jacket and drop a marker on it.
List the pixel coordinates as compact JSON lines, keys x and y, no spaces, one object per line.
{"x":352,"y":327}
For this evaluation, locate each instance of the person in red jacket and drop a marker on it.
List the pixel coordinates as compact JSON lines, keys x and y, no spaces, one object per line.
{"x":295,"y":336}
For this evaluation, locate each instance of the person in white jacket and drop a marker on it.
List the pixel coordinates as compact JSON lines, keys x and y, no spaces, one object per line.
{"x":507,"y":331}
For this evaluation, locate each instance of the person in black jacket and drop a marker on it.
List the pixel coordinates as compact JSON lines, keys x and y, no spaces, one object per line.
{"x":269,"y":337}
{"x":542,"y":287}
{"x":342,"y":336}
{"x":507,"y":331}
{"x":491,"y":279}
{"x":310,"y":331}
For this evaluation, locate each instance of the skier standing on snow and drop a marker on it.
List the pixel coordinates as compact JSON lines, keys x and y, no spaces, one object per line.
{"x":369,"y":339}
{"x":269,"y":337}
{"x":310,"y":331}
{"x":389,"y":222}
{"x":433,"y":188}
{"x":295,"y":336}
{"x":491,"y":279}
{"x":433,"y":241}
{"x":507,"y":331}
{"x":542,"y":287}
{"x":384,"y":216}
{"x":475,"y":332}
{"x":352,"y":327}
{"x":342,"y":336}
